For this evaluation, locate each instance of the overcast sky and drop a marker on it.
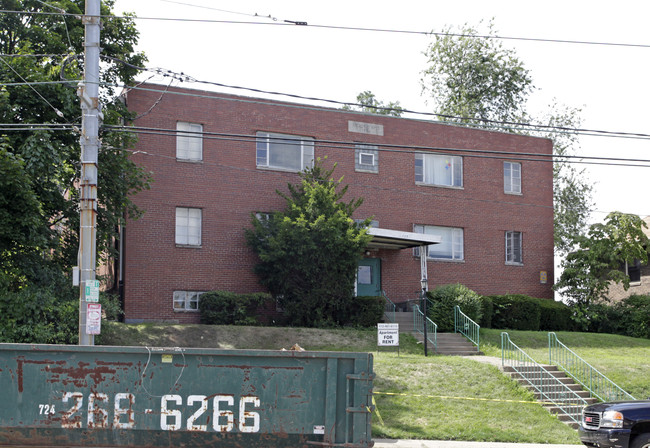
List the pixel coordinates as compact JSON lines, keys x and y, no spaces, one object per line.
{"x":610,"y":83}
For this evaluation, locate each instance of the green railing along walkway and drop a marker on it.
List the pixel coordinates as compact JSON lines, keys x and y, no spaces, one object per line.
{"x":549,"y":388}
{"x":466,"y":326}
{"x":598,"y":385}
{"x":418,"y":325}
{"x":389,"y":309}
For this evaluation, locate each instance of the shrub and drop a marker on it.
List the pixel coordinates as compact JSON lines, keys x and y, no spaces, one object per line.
{"x":228,"y":308}
{"x":515,"y":312}
{"x":40,"y":315}
{"x":554,"y":316}
{"x":445,"y":298}
{"x":487,"y":310}
{"x":634,"y":315}
{"x":365,"y":311}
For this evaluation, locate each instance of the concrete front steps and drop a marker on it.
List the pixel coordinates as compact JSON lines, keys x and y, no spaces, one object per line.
{"x":453,"y":344}
{"x":556,"y":393}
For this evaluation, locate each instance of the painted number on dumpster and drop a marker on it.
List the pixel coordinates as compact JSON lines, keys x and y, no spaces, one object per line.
{"x":197,"y":414}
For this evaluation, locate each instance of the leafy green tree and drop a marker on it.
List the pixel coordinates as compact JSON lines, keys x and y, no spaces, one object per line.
{"x":368,"y":103}
{"x":40,"y":66}
{"x":601,"y":256}
{"x":476,"y":80}
{"x":308,"y":253}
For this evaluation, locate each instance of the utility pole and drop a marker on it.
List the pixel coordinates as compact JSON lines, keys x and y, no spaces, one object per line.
{"x":88,"y":92}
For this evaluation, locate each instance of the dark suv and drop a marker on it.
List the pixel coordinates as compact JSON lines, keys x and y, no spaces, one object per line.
{"x":623,"y":424}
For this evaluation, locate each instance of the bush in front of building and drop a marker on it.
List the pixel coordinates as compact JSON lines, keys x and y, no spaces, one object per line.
{"x":365,"y":311}
{"x":443,"y":300}
{"x":633,"y":316}
{"x":487,"y":310}
{"x":515,"y":312}
{"x":229,"y":308}
{"x":554,"y":316}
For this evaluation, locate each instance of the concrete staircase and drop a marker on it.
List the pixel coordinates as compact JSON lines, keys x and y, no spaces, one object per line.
{"x":556,"y":393}
{"x":454,"y":344}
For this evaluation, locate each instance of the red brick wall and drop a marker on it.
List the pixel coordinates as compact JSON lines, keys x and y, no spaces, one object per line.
{"x":227,"y":186}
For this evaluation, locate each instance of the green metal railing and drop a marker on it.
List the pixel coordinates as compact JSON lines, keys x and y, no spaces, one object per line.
{"x":466,"y":326}
{"x":549,"y":389}
{"x":598,"y":385}
{"x":418,"y":325}
{"x":389,"y":308}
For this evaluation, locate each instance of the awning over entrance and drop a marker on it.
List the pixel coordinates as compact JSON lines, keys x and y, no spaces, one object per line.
{"x":397,"y":239}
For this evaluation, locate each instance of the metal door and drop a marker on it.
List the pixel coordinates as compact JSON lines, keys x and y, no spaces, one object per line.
{"x":369,"y":277}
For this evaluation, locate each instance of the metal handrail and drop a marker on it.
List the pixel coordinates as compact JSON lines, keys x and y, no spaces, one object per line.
{"x":466,"y":326}
{"x":389,"y":308}
{"x":549,"y":388}
{"x":598,"y":385}
{"x":418,"y":325}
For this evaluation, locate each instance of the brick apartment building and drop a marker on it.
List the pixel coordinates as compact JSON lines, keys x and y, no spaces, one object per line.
{"x":215,"y":159}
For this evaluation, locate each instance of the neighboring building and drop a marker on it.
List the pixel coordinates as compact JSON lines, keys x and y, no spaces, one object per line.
{"x":639,"y":274}
{"x":216,"y":159}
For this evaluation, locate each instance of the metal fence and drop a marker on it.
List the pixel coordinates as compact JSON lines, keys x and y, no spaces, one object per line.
{"x":466,"y":326}
{"x":418,"y":325}
{"x":582,"y":372}
{"x":548,"y":388}
{"x":389,"y":308}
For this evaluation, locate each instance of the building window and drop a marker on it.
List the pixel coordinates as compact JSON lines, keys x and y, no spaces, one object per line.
{"x":189,"y":141}
{"x":366,"y":158}
{"x":512,"y":177}
{"x":284,"y":152}
{"x":514,"y":253}
{"x":186,"y":300}
{"x":188,"y":226}
{"x":451,"y":244}
{"x":439,"y":169}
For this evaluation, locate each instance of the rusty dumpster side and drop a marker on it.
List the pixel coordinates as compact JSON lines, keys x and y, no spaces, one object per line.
{"x":57,"y":395}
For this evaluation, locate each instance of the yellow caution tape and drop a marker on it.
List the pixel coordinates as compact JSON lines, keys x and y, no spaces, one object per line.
{"x":457,"y":398}
{"x":381,"y":421}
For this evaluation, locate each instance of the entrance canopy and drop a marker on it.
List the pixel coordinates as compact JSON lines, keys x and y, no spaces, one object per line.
{"x":397,"y":239}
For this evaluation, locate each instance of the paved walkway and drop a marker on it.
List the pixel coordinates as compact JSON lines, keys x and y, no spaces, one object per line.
{"x":389,"y":443}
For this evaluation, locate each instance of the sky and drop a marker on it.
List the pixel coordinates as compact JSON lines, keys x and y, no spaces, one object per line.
{"x":609,"y":83}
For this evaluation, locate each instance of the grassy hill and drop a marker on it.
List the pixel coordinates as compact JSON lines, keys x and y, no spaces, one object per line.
{"x":439,"y":397}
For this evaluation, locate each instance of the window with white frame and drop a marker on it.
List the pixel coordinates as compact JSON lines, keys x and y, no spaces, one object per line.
{"x":439,"y":169}
{"x":188,"y":226}
{"x":186,"y":300}
{"x":366,"y":158}
{"x":514,"y":253}
{"x":512,"y":177}
{"x":189,"y":141}
{"x":450,"y":246}
{"x":284,"y":152}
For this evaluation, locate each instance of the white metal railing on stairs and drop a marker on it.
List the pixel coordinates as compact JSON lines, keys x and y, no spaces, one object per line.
{"x":466,"y":326}
{"x":549,"y":388}
{"x":418,"y":325}
{"x":598,"y":385}
{"x":389,"y":309}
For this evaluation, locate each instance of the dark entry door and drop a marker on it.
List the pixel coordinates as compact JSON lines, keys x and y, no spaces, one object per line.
{"x":369,"y":277}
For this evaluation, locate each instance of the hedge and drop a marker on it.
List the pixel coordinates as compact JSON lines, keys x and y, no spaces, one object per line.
{"x":229,"y":308}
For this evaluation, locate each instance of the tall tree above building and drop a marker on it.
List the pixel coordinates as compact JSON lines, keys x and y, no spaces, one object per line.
{"x":367,"y":102}
{"x":41,"y":64}
{"x":475,"y":80}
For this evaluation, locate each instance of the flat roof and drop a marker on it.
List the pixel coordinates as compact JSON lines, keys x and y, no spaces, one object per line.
{"x":398,"y":239}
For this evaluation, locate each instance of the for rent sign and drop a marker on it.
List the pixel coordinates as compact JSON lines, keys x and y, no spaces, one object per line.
{"x":388,"y":335}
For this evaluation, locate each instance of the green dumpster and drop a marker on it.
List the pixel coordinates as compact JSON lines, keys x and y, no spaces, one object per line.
{"x":56,"y":395}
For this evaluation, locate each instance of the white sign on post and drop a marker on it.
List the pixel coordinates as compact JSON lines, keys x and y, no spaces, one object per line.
{"x":92,"y":290}
{"x":388,"y":335}
{"x":93,"y":318}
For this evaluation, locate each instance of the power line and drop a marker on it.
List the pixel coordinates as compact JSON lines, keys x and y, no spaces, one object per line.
{"x":335,"y":27}
{"x":506,"y":125}
{"x":338,"y":144}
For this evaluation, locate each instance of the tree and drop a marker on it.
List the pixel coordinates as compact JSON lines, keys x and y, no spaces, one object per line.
{"x":476,"y":80}
{"x":41,"y":64}
{"x":601,"y":257}
{"x":368,"y":103}
{"x":308,"y":253}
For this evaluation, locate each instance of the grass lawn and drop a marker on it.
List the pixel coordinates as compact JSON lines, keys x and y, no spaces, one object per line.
{"x":439,"y":397}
